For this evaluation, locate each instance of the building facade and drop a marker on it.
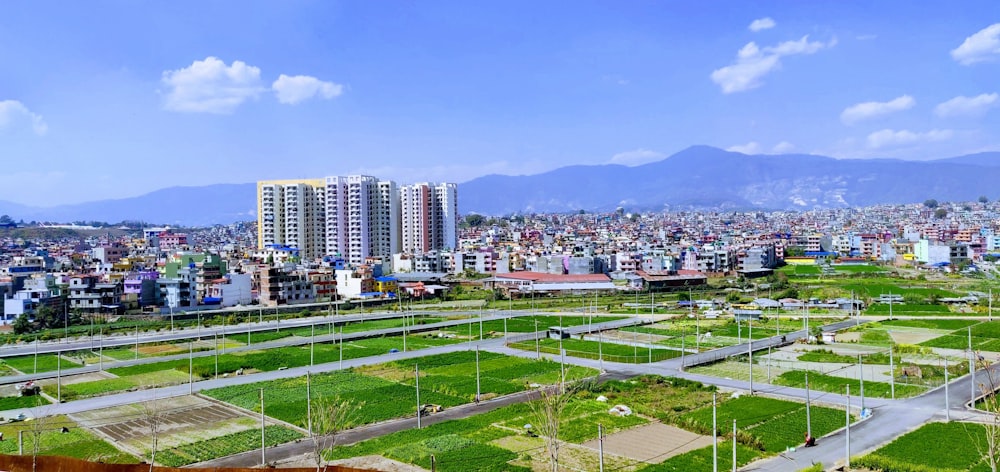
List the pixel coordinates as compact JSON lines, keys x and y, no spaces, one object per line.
{"x":429,"y":213}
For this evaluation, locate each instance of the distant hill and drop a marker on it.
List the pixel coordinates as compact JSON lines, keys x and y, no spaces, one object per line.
{"x":707,"y":177}
{"x":179,"y":206}
{"x":699,"y":177}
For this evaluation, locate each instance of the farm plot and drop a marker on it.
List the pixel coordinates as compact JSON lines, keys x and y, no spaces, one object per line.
{"x":172,"y":372}
{"x":985,"y":337}
{"x":189,"y":429}
{"x":612,"y":352}
{"x":527,"y":324}
{"x":446,"y":379}
{"x":498,"y":440}
{"x":77,"y":441}
{"x":947,"y":447}
{"x":42,"y":363}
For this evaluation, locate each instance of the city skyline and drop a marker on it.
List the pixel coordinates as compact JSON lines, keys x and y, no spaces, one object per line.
{"x":99,"y":96}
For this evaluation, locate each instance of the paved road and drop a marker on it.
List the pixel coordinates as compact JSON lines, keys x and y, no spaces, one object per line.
{"x":123,"y":339}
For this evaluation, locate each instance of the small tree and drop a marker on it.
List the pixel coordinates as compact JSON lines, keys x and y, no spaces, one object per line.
{"x":153,"y":417}
{"x":39,"y":424}
{"x":548,"y":412}
{"x":931,"y":203}
{"x":940,"y":213}
{"x":330,"y":416}
{"x":983,"y":199}
{"x":22,"y":325}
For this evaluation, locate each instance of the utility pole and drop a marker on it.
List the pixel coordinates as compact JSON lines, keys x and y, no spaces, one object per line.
{"x":861,"y":380}
{"x":309,"y":417}
{"x":715,"y":437}
{"x":972,"y":369}
{"x":847,"y":412}
{"x":809,"y":428}
{"x":947,"y":405}
{"x":263,"y":445}
{"x":600,"y":446}
{"x":416,"y":382}
{"x":59,"y":377}
{"x":750,"y":351}
{"x":478,"y":391}
{"x":734,"y":444}
{"x":892,"y":374}
{"x":190,"y":367}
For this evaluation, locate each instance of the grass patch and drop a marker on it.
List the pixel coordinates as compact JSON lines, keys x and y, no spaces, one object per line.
{"x":46,"y":363}
{"x":612,"y":352}
{"x":829,"y":383}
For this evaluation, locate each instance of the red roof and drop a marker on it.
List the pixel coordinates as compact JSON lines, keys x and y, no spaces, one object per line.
{"x":542,"y":277}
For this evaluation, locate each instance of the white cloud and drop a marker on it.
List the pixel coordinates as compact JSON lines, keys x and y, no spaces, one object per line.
{"x":636,"y":157}
{"x":761,"y":24}
{"x":966,"y":106}
{"x":868,"y":110}
{"x":210,"y":86}
{"x":753,"y":147}
{"x":753,"y":63}
{"x":294,"y":89}
{"x":783,"y":147}
{"x":891,"y":138}
{"x":983,"y":46}
{"x":12,"y":112}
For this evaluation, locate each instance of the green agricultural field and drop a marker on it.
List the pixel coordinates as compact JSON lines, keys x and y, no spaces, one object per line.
{"x":527,"y":324}
{"x":447,"y":379}
{"x":46,"y":363}
{"x":830,"y":383}
{"x":612,"y":352}
{"x":879,"y":286}
{"x":234,"y":443}
{"x":176,"y":371}
{"x":949,"y":325}
{"x":826,"y":355}
{"x":13,"y":403}
{"x":945,"y":447}
{"x":496,"y":440}
{"x":985,"y":337}
{"x":78,"y":442}
{"x":908,"y":309}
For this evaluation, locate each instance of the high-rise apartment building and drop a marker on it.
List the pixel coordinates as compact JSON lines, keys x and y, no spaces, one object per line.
{"x":292,"y":213}
{"x":429,"y":213}
{"x":354,"y":217}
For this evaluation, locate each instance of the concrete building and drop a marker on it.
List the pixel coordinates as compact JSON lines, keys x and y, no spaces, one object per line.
{"x":429,"y":217}
{"x":355,"y":216}
{"x":292,"y":213}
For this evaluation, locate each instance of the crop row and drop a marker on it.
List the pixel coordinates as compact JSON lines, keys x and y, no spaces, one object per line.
{"x":222,"y":446}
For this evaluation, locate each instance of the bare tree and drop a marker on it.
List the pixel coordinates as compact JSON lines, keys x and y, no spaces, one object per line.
{"x":329,"y":417}
{"x":153,"y":417}
{"x":548,"y":411}
{"x":39,"y":424}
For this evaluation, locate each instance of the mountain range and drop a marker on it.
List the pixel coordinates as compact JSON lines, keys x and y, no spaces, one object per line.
{"x":699,"y":177}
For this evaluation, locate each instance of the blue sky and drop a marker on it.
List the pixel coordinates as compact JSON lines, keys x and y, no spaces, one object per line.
{"x":110,"y":99}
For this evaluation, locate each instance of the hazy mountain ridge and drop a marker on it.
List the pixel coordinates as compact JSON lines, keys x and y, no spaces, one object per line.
{"x":697,"y":177}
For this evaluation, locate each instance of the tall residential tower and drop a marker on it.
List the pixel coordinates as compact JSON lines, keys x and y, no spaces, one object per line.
{"x":355,"y":216}
{"x":429,"y":217}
